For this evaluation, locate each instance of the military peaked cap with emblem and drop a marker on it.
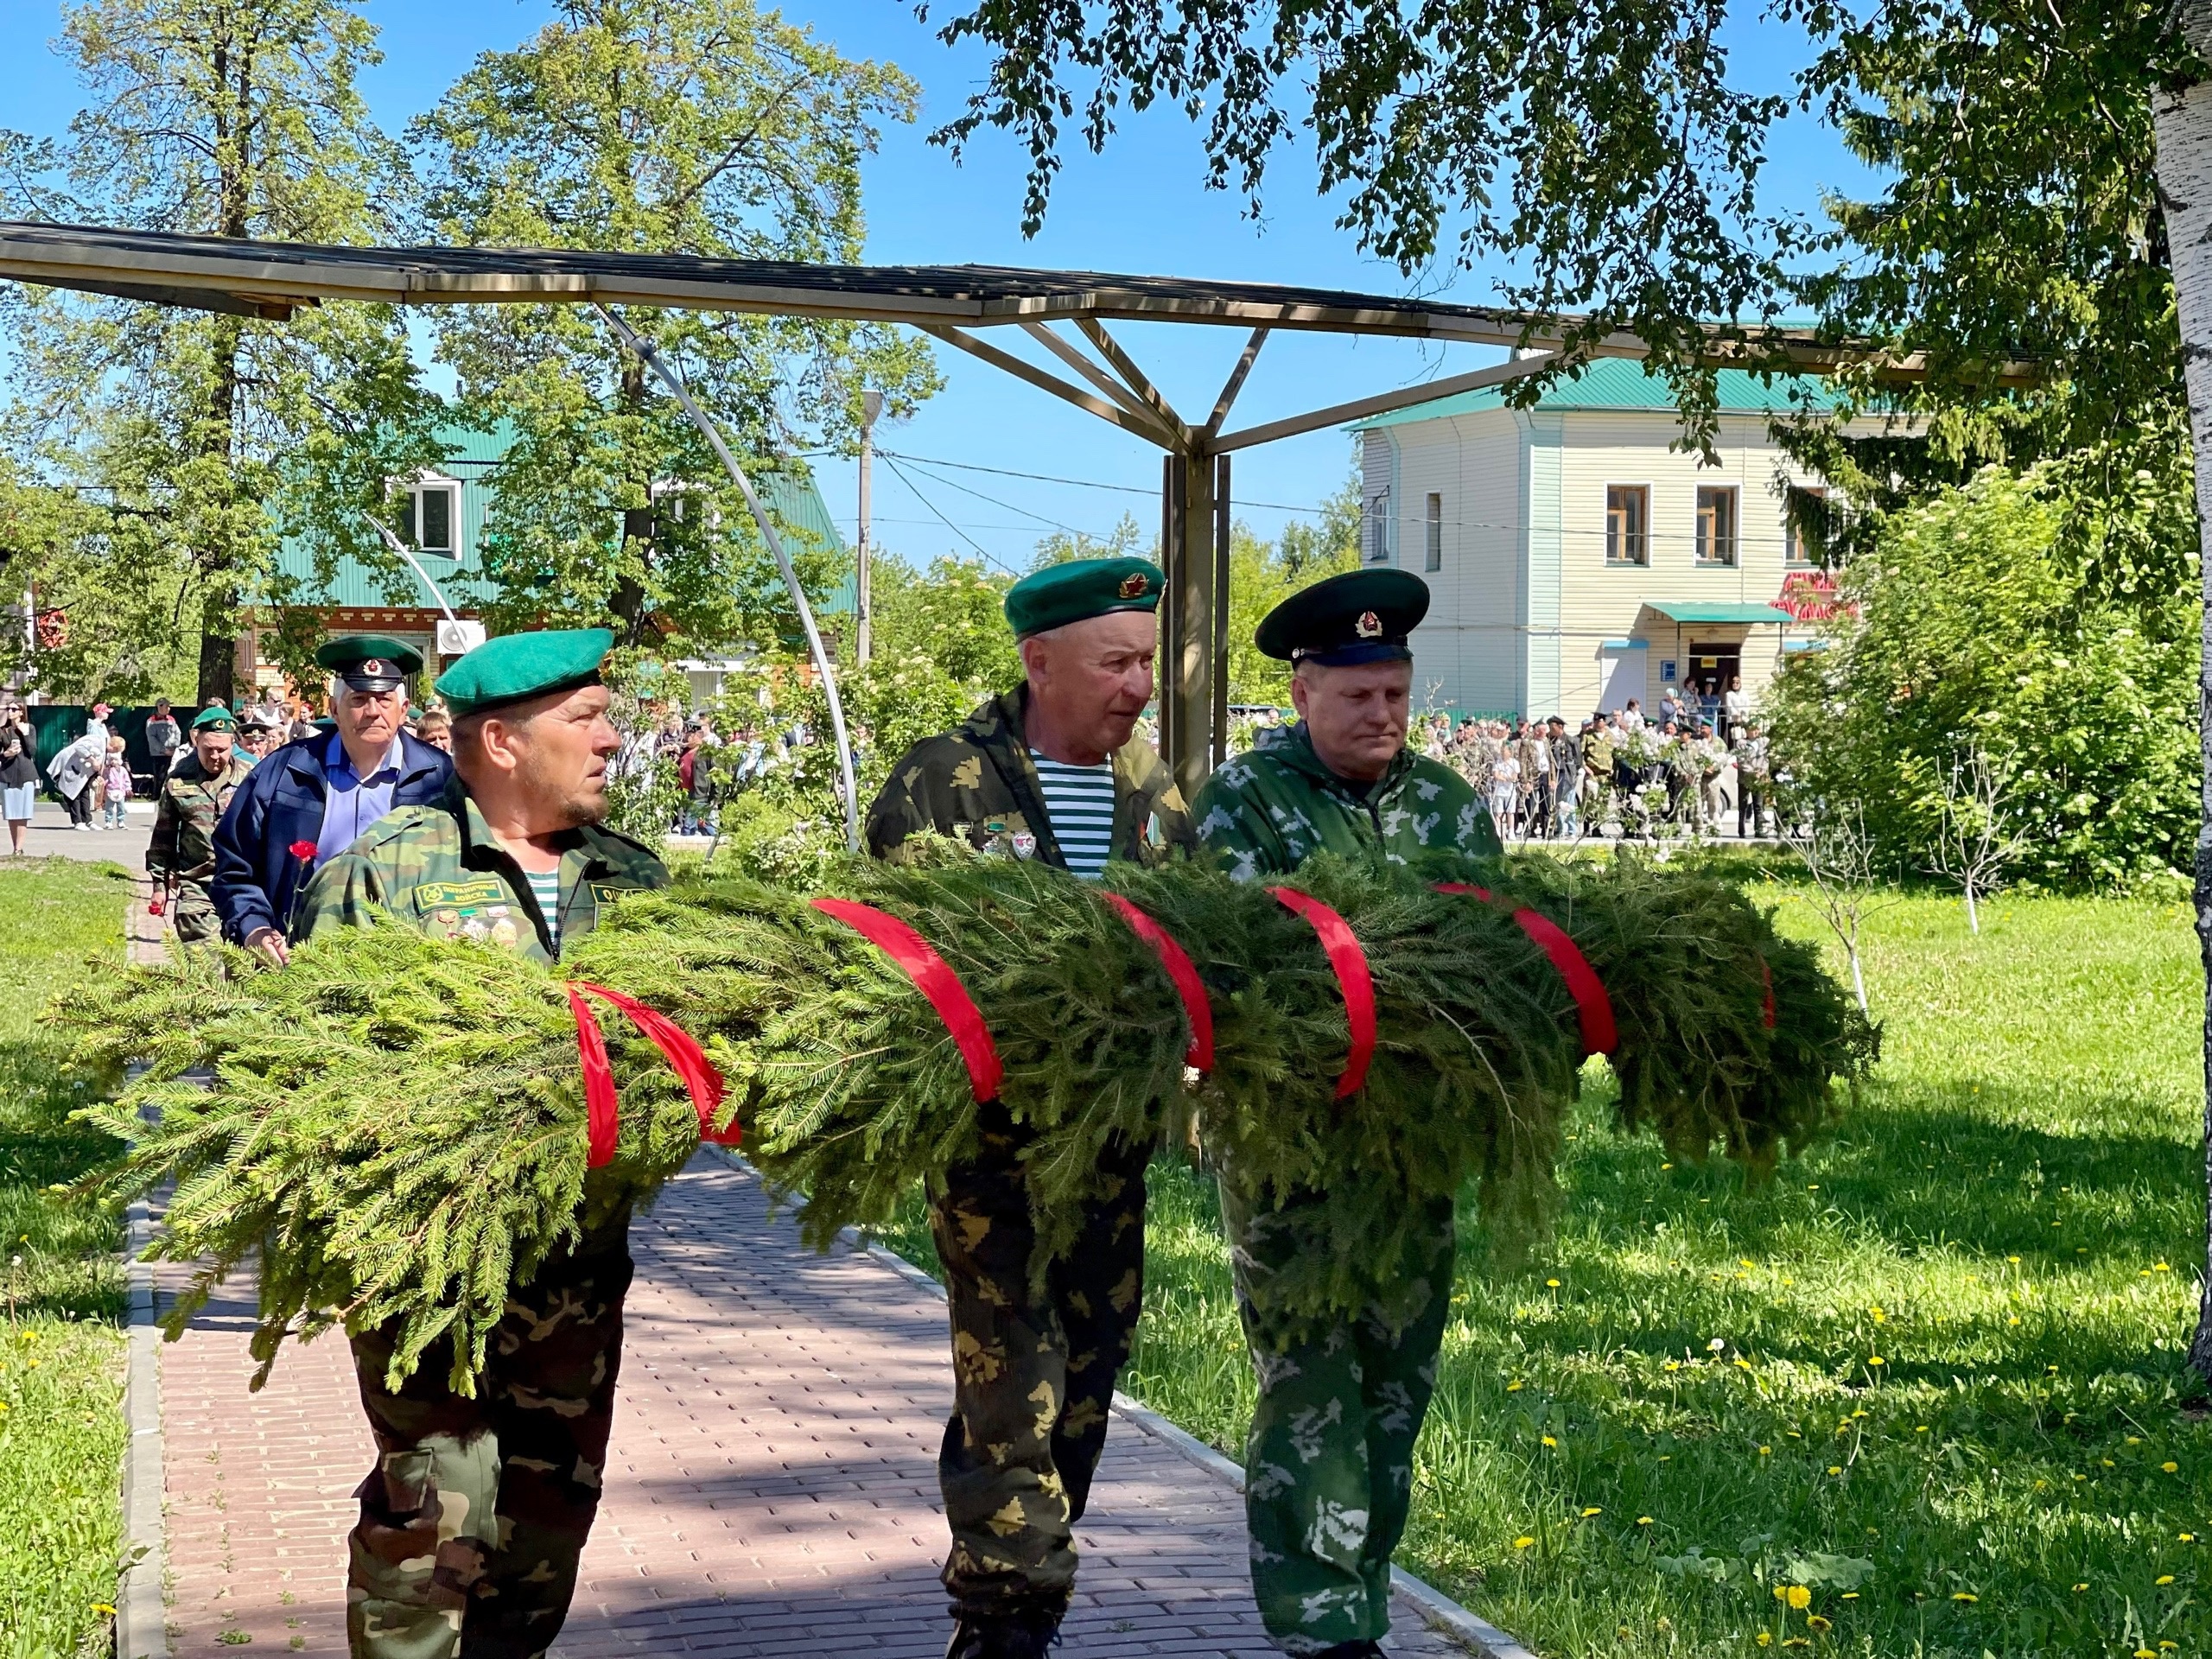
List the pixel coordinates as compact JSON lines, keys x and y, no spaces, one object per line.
{"x":369,"y":662}
{"x":515,"y":666}
{"x":1362,"y":616}
{"x":214,"y":720}
{"x":1080,"y":589}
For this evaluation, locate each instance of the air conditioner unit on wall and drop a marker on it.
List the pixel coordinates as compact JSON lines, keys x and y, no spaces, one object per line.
{"x":455,"y":639}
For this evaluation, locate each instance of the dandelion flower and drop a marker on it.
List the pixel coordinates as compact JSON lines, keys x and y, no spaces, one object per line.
{"x":2170,"y":1467}
{"x":1766,"y":1450}
{"x":1799,"y":1597}
{"x":2189,"y":1537}
{"x":1964,"y":1595}
{"x":1835,"y":1468}
{"x":1716,"y":1344}
{"x":102,"y":1607}
{"x":1522,"y":1541}
{"x":1876,"y":1359}
{"x":1643,"y":1519}
{"x":2163,"y":1578}
{"x":2079,"y":1588}
{"x":1764,"y":1638}
{"x":1551,"y":1284}
{"x":1814,"y":1622}
{"x":1513,"y":1388}
{"x":1587,"y":1513}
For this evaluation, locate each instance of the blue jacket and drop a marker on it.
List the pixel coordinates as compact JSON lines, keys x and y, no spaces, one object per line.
{"x":257,"y":877}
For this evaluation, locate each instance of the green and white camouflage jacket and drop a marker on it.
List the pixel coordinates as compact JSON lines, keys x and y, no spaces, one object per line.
{"x":978,"y":783}
{"x":1268,"y":810}
{"x":438,"y":868}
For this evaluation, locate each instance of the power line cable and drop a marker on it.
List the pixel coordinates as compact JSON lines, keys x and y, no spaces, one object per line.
{"x":987,"y":555}
{"x":1080,"y":483}
{"x":954,"y":483}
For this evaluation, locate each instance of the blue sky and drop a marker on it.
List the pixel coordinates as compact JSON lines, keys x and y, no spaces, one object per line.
{"x":1140,"y":208}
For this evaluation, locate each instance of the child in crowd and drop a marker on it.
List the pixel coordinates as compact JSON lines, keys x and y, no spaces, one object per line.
{"x":115,"y":786}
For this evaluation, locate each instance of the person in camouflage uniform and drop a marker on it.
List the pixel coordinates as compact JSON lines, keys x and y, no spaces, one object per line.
{"x":475,"y":1515}
{"x":1051,"y":772}
{"x":1329,"y":1463}
{"x":195,"y":794}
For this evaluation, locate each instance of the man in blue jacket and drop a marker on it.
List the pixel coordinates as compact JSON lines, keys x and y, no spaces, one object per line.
{"x":305,"y":802}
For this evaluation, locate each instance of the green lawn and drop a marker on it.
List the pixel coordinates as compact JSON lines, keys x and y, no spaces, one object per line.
{"x":61,"y":1433}
{"x":1931,"y":1378}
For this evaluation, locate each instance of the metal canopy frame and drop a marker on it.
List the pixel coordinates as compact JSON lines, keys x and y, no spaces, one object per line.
{"x":949,"y":302}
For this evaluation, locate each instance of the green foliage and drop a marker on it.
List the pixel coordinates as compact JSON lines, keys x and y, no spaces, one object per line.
{"x":712,"y":128}
{"x":849,"y":1087}
{"x":203,"y":441}
{"x":1990,"y":1223}
{"x":951,"y":615}
{"x":2036,"y":619}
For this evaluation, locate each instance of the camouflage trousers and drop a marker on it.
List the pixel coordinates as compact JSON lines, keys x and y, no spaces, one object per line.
{"x":194,"y":910}
{"x":1330,"y":1462}
{"x":474,"y":1515}
{"x":1033,"y":1376}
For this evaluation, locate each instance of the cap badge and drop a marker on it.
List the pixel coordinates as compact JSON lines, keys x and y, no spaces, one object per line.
{"x":375,"y":666}
{"x":1133,"y":585}
{"x":1369,"y":626}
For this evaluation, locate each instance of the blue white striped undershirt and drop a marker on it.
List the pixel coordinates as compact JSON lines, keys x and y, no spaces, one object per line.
{"x":1080,"y":802}
{"x":546,"y":887}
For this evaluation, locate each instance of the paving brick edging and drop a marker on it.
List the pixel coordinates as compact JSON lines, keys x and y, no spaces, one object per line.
{"x":141,"y":1612}
{"x":1482,"y":1638}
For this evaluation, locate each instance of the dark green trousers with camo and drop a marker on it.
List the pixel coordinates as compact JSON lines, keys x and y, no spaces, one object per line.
{"x":1033,"y":1376}
{"x":1329,"y":1466}
{"x":474,"y":1515}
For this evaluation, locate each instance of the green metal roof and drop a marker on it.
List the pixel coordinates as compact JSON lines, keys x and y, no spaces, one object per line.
{"x":1619,"y":383}
{"x":1697,"y":611}
{"x":473,"y":457}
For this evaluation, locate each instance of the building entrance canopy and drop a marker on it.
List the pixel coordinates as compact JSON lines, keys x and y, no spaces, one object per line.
{"x":1697,"y":611}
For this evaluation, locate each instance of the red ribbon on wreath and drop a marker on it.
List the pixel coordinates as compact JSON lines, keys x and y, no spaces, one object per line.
{"x":934,"y":978}
{"x":1181,"y":974}
{"x":1592,"y":1008}
{"x":1350,"y":962}
{"x":1766,"y":999}
{"x":685,"y":1056}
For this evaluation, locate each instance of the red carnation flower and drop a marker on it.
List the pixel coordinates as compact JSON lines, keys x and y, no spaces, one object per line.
{"x":302,"y":850}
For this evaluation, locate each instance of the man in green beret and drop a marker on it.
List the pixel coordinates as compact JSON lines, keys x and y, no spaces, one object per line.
{"x":195,"y":793}
{"x":1329,"y":1461}
{"x":306,"y":800}
{"x":1052,"y":771}
{"x":477,"y":1511}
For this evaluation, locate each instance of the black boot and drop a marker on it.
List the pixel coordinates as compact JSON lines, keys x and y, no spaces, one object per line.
{"x":1006,"y":1635}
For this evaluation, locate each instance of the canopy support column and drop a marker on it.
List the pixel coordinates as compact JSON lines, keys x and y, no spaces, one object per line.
{"x":1193,"y":553}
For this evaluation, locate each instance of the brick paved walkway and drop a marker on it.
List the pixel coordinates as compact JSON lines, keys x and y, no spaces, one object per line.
{"x":771,"y":1491}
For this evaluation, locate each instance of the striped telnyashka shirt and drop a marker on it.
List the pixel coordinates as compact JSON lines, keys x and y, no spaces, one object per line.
{"x":1080,"y":801}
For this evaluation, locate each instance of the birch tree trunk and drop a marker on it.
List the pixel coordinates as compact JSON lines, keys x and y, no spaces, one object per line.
{"x":2183,"y":124}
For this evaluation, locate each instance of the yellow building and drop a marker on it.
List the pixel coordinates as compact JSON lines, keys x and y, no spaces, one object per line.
{"x":1578,"y":560}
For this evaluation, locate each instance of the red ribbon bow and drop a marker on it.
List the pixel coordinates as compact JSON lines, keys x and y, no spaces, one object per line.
{"x":688,"y":1061}
{"x":1593,"y":1007}
{"x":934,"y":978}
{"x":1348,"y":962}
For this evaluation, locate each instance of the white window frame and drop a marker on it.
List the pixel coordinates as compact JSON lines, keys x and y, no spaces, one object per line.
{"x":1432,"y":533}
{"x":1606,"y":537}
{"x":1374,"y":528}
{"x":416,"y":489}
{"x":1699,"y":555}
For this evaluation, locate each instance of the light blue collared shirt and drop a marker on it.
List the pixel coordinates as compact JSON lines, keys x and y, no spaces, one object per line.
{"x":351,"y":802}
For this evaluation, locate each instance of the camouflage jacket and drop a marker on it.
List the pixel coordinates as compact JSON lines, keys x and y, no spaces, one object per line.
{"x":438,"y":868}
{"x":977,"y":782}
{"x":190,"y":805}
{"x":1268,"y":810}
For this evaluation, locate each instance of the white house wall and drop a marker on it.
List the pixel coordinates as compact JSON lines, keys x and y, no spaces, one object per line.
{"x":1525,"y":600}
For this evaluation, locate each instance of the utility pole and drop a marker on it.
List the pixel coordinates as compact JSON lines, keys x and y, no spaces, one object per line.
{"x":864,"y":602}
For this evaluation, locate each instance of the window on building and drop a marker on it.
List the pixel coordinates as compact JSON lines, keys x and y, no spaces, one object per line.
{"x":429,"y":515}
{"x":1716,"y":523}
{"x":1433,"y":557}
{"x":1628,"y":523}
{"x":1807,"y":514}
{"x":1374,"y":528}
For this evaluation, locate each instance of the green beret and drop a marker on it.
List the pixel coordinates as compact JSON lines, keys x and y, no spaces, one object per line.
{"x":214,"y":720}
{"x":1362,"y":616}
{"x":369,"y":662}
{"x":518,"y":666}
{"x":1081,"y":589}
